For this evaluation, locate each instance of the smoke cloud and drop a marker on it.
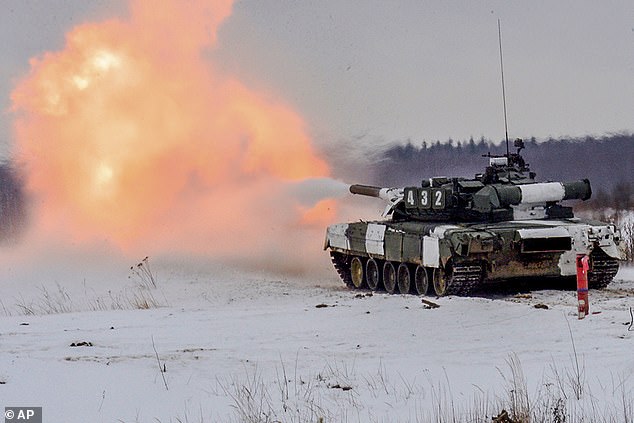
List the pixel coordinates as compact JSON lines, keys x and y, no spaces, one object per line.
{"x":130,"y":138}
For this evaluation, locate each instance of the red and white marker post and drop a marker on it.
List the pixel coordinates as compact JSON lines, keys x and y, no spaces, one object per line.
{"x":583,"y":266}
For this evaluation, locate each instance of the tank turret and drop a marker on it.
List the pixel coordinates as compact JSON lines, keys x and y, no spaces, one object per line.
{"x":457,"y":233}
{"x":503,"y":192}
{"x":471,"y":200}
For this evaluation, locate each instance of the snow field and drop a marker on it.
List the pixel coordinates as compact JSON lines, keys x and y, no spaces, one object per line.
{"x":239,"y":346}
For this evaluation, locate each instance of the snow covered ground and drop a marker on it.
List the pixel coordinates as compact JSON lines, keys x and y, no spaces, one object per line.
{"x":220,"y":345}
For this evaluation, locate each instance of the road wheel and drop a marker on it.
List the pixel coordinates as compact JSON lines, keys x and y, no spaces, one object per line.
{"x":389,"y":277}
{"x":421,"y":282}
{"x":441,"y":282}
{"x":404,"y":278}
{"x":356,"y":272}
{"x":372,"y":274}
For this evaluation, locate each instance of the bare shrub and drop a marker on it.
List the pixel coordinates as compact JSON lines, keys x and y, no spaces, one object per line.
{"x":142,"y":299}
{"x":142,"y":296}
{"x":518,"y":401}
{"x":626,"y":226}
{"x":143,"y":274}
{"x":624,"y":221}
{"x":47,"y":302}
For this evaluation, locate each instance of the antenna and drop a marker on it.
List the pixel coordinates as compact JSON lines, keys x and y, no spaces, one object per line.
{"x":506,"y":128}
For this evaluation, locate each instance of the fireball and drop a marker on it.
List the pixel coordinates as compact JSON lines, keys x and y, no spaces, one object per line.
{"x":128,"y":134}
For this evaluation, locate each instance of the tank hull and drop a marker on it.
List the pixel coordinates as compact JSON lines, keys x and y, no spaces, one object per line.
{"x":458,"y":258}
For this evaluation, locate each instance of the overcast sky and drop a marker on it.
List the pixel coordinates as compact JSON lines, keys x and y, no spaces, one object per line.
{"x":389,"y":71}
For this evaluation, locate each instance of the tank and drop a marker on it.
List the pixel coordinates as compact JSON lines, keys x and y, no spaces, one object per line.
{"x":451,"y":236}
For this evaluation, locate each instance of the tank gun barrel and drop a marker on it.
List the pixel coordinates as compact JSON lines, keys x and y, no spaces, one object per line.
{"x":393,"y":196}
{"x":577,"y":190}
{"x":367,"y":190}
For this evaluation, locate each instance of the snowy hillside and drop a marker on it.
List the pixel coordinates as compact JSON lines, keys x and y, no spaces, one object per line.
{"x":218,"y":345}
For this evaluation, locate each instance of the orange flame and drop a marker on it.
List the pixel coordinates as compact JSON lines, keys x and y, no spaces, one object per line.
{"x":128,"y":134}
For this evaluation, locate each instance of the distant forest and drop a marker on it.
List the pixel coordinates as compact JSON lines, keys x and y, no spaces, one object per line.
{"x":608,"y":162}
{"x":12,"y":203}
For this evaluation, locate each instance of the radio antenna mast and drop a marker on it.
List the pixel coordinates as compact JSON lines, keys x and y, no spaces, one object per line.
{"x":506,"y":128}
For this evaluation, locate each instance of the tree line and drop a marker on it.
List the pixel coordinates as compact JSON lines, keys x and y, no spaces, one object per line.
{"x":606,"y":161}
{"x":12,"y":203}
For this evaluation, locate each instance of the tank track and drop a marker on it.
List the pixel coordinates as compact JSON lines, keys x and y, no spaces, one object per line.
{"x":604,"y":269}
{"x":464,"y":280}
{"x":342,"y":265}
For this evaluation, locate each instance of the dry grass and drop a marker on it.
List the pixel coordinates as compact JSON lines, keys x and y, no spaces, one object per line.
{"x":141,"y":295}
{"x":294,"y":398}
